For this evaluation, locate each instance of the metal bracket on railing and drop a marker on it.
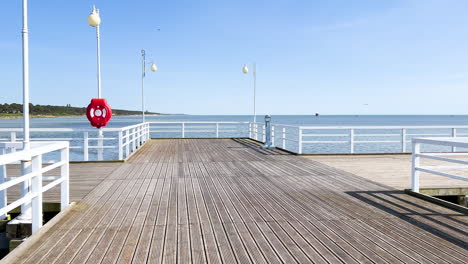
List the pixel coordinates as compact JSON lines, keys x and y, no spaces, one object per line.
{"x":268,"y":142}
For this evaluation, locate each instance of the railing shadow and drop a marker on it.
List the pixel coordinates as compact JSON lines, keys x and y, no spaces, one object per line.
{"x":257,"y":147}
{"x":434,"y":221}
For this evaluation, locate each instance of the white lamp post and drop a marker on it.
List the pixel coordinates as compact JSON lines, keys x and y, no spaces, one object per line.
{"x":94,"y":20}
{"x":245,"y":70}
{"x":26,"y":165}
{"x":143,"y":74}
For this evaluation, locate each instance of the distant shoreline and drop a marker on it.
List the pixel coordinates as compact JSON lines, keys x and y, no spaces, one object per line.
{"x":20,"y":116}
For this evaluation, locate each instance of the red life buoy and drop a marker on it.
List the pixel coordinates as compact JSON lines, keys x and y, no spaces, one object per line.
{"x":99,"y":112}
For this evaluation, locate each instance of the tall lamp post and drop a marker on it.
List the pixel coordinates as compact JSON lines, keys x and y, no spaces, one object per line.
{"x":94,"y":20}
{"x":26,"y":165}
{"x":245,"y":70}
{"x":143,"y":74}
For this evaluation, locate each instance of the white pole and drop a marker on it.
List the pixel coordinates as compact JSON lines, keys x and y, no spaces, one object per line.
{"x":25,"y":165}
{"x":98,"y":38}
{"x":254,"y":91}
{"x":143,"y":54}
{"x":98,"y":61}
{"x":415,"y":164}
{"x":25,"y":76}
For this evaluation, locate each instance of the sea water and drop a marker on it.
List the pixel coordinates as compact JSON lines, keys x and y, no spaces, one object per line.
{"x":295,"y":120}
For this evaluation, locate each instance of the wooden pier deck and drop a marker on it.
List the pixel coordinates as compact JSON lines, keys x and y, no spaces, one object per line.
{"x":228,"y":201}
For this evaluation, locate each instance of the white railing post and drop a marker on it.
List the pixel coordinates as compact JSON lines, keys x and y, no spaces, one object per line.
{"x":85,"y":146}
{"x":3,"y":193}
{"x":120,"y":145}
{"x":454,"y":134}
{"x":26,"y":168}
{"x":415,"y":165}
{"x":250,"y":130}
{"x":36,"y":189}
{"x":300,"y":141}
{"x":183,"y":130}
{"x":13,"y":139}
{"x":65,"y":175}
{"x":147,"y":132}
{"x":284,"y":138}
{"x":140,"y":136}
{"x":351,"y":141}
{"x":133,"y":139}
{"x":127,"y":142}
{"x":403,"y":140}
{"x":217,"y":130}
{"x":100,"y":146}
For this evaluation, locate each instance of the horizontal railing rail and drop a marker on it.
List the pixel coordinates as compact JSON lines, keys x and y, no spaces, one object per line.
{"x":32,"y":178}
{"x":436,"y":170}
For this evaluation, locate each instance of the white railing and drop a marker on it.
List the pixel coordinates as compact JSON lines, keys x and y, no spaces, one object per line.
{"x":437,"y":170}
{"x":396,"y":138}
{"x":120,"y":143}
{"x":114,"y":143}
{"x":31,"y":178}
{"x":199,"y":129}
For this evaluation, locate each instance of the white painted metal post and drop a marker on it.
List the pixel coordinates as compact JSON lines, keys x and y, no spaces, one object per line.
{"x":3,"y":193}
{"x":120,"y":146}
{"x":415,"y":165}
{"x":351,"y":141}
{"x":454,"y":134}
{"x":284,"y":138}
{"x":183,"y":130}
{"x":98,"y":38}
{"x":254,"y":91}
{"x":256,"y":131}
{"x":133,"y":139}
{"x":13,"y":139}
{"x":25,"y":35}
{"x":65,"y":175}
{"x":217,"y":130}
{"x":100,"y":145}
{"x":127,"y":142}
{"x":403,"y":140}
{"x":26,"y":168}
{"x":85,"y":146}
{"x":250,"y":130}
{"x":36,"y":189}
{"x":300,"y":141}
{"x":143,"y":73}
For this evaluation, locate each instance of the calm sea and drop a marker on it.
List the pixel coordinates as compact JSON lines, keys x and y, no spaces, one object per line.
{"x":324,"y":120}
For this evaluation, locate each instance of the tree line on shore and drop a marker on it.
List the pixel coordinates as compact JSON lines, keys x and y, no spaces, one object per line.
{"x":56,"y":110}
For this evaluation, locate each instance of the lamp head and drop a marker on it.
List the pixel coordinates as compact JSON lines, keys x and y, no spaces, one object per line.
{"x":267,"y":118}
{"x":94,"y":19}
{"x":154,"y":67}
{"x":245,"y":69}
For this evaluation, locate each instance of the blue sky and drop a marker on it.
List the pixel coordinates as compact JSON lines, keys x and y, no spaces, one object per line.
{"x":331,"y":57}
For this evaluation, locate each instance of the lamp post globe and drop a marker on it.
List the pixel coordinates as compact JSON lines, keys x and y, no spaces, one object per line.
{"x":245,"y":69}
{"x":154,"y":67}
{"x":94,"y":19}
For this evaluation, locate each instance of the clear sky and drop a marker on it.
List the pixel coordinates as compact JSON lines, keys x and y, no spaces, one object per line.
{"x":326,"y":56}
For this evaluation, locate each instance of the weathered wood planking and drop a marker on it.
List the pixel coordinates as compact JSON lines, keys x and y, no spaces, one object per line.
{"x":229,"y":201}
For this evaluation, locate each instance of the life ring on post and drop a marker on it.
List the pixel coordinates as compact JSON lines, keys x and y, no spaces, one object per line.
{"x":98,"y":112}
